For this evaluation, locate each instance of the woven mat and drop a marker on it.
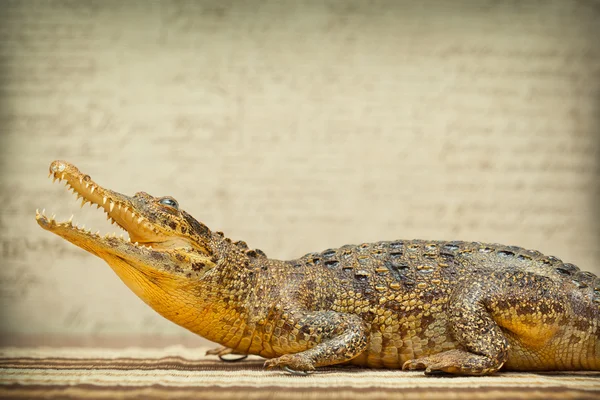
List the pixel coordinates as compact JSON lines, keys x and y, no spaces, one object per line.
{"x":180,"y":373}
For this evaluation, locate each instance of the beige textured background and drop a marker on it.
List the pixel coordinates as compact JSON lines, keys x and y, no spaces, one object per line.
{"x":296,"y":126}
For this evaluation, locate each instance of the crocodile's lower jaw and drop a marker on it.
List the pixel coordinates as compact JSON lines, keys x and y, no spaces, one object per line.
{"x":146,"y":271}
{"x":92,"y":242}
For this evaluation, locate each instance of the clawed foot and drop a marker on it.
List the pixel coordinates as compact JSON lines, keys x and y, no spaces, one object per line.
{"x":221,"y":352}
{"x":295,"y":364}
{"x":455,"y":362}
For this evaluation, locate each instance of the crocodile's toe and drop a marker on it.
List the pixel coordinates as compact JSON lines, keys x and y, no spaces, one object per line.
{"x":295,"y":362}
{"x":455,"y":362}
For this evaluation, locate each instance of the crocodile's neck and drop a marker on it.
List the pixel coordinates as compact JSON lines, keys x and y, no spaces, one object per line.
{"x":209,"y":303}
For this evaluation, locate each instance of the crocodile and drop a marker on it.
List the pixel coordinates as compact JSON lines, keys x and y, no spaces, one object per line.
{"x":445,"y":307}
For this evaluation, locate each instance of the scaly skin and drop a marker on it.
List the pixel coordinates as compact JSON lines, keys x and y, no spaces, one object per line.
{"x":445,"y":307}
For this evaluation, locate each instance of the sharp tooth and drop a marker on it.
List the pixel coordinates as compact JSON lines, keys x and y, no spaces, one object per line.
{"x":132,"y":215}
{"x":97,"y":232}
{"x":37,"y":211}
{"x":136,"y":243}
{"x":49,"y":173}
{"x":97,"y":206}
{"x":54,"y":179}
{"x":87,"y":185}
{"x":83,"y":201}
{"x":53,"y":216}
{"x":82,"y":227}
{"x":92,"y":189}
{"x":71,"y":219}
{"x":104,"y":200}
{"x":43,"y":211}
{"x":119,"y":206}
{"x":81,"y":180}
{"x":112,"y":205}
{"x":107,"y":217}
{"x":62,"y":176}
{"x":140,"y":219}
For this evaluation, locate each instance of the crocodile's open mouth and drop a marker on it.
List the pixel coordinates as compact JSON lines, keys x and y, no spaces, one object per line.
{"x":119,"y":209}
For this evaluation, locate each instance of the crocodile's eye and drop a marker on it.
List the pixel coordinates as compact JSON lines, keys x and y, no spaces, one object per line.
{"x":167,"y":201}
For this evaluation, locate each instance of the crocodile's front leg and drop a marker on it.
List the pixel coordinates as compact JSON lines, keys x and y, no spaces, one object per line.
{"x":339,"y":338}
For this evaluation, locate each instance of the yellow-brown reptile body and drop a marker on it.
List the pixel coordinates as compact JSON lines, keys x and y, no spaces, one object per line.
{"x":452,"y":307}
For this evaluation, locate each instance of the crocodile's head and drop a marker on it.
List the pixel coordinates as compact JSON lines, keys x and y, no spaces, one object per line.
{"x":166,"y":246}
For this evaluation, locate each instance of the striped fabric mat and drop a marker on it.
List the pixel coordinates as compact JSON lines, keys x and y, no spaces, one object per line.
{"x":184,"y":373}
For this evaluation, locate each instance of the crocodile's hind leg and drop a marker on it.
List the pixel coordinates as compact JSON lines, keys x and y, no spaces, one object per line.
{"x":483,"y":346}
{"x":339,"y":337}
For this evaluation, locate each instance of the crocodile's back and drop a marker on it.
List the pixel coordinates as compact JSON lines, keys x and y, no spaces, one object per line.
{"x":547,"y":309}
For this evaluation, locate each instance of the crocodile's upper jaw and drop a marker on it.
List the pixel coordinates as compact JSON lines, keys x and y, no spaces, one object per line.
{"x":143,"y":219}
